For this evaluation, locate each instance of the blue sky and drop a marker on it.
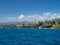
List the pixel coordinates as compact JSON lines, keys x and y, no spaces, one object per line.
{"x":14,"y":8}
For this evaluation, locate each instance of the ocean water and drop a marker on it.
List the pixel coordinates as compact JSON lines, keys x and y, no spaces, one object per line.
{"x":29,"y":36}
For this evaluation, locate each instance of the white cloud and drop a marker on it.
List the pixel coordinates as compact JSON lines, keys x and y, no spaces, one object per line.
{"x":32,"y":18}
{"x":43,"y":17}
{"x":21,"y":17}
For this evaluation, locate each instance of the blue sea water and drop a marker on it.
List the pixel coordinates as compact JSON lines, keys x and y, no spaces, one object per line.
{"x":29,"y":36}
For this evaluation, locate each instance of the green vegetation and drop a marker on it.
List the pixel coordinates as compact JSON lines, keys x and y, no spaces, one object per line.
{"x":57,"y":26}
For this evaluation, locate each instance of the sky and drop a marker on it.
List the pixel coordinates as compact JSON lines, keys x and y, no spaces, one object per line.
{"x":22,"y":10}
